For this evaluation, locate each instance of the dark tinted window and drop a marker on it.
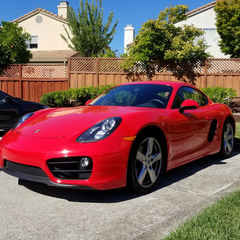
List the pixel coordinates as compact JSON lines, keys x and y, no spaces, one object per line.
{"x":189,"y":93}
{"x":137,"y":95}
{"x":2,"y":97}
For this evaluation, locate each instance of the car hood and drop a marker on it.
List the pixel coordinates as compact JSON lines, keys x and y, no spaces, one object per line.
{"x":56,"y":123}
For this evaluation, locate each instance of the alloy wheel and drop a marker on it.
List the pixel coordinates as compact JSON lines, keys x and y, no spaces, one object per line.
{"x":148,"y":162}
{"x":228,"y":138}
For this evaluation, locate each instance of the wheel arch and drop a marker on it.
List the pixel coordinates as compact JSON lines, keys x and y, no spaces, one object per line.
{"x":131,"y":182}
{"x":230,"y":118}
{"x":155,"y":129}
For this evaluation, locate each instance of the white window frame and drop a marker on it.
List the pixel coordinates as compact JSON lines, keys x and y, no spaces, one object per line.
{"x":33,"y":43}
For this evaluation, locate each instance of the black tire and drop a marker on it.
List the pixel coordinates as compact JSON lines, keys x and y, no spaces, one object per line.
{"x":227,"y":140}
{"x":146,"y":163}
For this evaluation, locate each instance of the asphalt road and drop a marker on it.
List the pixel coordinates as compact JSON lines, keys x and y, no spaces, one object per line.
{"x":35,"y":211}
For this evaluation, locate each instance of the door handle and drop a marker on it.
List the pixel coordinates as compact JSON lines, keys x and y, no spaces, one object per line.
{"x":208,"y":117}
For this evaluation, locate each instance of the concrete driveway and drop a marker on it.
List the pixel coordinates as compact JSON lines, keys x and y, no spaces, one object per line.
{"x":35,"y":211}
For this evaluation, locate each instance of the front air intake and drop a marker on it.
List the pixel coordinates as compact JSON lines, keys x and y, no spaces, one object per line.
{"x":23,"y":169}
{"x":70,"y":168}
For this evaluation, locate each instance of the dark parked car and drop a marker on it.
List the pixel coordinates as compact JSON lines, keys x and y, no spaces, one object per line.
{"x":12,"y":108}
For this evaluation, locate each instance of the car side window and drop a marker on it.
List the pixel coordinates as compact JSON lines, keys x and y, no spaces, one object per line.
{"x":178,"y":101}
{"x":203,"y":100}
{"x":189,"y":93}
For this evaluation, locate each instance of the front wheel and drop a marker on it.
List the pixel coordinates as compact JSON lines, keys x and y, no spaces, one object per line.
{"x":227,"y":140}
{"x":146,"y":163}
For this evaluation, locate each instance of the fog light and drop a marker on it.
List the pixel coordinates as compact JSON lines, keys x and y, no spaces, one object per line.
{"x":85,"y":162}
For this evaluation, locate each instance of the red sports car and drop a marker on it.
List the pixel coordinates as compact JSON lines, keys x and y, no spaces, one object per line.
{"x":127,"y":136}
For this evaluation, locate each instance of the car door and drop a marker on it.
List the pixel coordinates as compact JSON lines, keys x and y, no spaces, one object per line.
{"x":9,"y":111}
{"x":188,"y":130}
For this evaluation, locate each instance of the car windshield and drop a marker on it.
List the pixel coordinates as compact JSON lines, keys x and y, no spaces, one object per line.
{"x":136,"y":95}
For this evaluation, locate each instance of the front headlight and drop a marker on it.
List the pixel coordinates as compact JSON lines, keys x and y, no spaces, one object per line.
{"x":22,"y":119}
{"x":100,"y":131}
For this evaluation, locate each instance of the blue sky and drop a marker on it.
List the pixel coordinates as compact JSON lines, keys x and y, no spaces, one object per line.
{"x":133,"y":12}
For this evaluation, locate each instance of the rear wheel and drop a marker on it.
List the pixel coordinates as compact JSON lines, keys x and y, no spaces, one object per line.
{"x":227,"y":141}
{"x":146,"y":163}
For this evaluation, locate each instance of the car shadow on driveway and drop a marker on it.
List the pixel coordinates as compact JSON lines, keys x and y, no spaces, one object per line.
{"x":191,"y":168}
{"x":2,"y":133}
{"x":120,"y":195}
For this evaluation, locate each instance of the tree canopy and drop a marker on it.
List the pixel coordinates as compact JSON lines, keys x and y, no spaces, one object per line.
{"x":163,"y":39}
{"x":228,"y":26}
{"x":108,"y":53}
{"x":13,"y":47}
{"x":87,"y":34}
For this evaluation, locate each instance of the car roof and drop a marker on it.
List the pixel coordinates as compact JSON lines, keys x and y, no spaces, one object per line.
{"x":5,"y":93}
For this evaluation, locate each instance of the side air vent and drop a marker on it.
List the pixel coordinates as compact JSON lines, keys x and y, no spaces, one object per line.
{"x":212,"y":131}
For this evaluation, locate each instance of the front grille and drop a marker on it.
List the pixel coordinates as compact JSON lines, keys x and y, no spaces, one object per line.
{"x":69,"y":168}
{"x":24,"y":169}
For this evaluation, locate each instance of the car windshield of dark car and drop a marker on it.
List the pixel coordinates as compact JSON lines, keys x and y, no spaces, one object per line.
{"x":136,"y":95}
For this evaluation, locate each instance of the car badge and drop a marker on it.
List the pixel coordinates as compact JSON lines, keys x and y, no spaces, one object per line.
{"x":37,"y":131}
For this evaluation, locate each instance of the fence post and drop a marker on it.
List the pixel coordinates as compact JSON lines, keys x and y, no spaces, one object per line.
{"x":97,"y":71}
{"x":69,"y":69}
{"x":205,"y":73}
{"x":20,"y":80}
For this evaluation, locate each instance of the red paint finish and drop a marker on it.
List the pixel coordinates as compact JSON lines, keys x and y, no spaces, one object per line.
{"x":53,"y":133}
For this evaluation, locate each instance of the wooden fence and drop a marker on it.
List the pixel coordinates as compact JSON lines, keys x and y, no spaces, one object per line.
{"x":102,"y":71}
{"x":95,"y":72}
{"x":31,"y":81}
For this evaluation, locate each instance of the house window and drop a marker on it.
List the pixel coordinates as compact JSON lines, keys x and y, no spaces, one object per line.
{"x":211,"y":36}
{"x":33,"y":43}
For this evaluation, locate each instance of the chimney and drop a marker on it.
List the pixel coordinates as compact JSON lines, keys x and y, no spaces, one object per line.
{"x":129,"y":34}
{"x":62,"y":9}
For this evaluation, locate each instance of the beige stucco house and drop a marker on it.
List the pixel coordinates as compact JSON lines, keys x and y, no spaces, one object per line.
{"x":46,"y":45}
{"x":203,"y":18}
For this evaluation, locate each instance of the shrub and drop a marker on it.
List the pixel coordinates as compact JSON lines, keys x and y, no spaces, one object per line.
{"x":68,"y":97}
{"x":220,"y":95}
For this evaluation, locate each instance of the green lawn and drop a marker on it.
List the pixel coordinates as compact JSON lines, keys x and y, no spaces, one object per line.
{"x":237,"y":135}
{"x":218,"y":222}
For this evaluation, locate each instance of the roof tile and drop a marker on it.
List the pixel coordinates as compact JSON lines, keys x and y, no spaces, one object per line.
{"x":38,"y":10}
{"x":202,"y":8}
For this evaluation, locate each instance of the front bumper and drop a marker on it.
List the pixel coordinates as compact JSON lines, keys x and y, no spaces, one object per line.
{"x":43,"y":179}
{"x":27,"y":158}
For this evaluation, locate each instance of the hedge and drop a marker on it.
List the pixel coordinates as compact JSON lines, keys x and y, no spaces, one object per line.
{"x":220,"y":94}
{"x":67,"y":98}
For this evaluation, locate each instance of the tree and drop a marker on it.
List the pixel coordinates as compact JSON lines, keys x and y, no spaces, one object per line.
{"x":228,"y":26}
{"x":108,"y":53}
{"x":13,"y":47}
{"x":87,"y":34}
{"x":161,"y":39}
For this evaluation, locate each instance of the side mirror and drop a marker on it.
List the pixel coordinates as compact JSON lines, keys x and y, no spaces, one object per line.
{"x":87,"y":102}
{"x":188,"y":105}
